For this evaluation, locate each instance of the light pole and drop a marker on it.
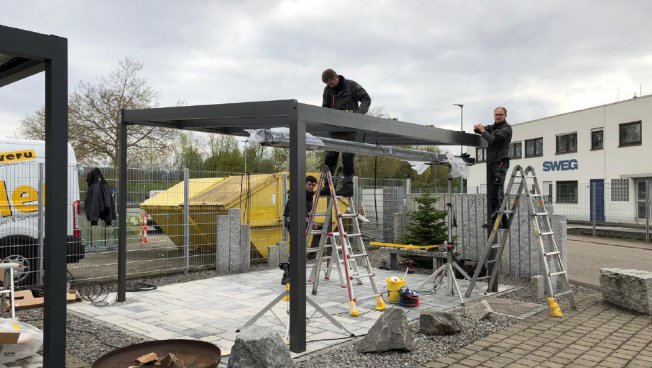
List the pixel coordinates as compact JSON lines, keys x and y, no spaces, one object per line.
{"x":461,"y":147}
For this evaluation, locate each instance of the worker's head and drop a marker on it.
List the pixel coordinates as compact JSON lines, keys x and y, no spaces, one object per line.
{"x":331,"y":78}
{"x":500,"y":114}
{"x":311,"y":183}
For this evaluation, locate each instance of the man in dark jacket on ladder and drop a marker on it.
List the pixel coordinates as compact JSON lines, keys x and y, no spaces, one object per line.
{"x":347,"y":95}
{"x":499,"y":136}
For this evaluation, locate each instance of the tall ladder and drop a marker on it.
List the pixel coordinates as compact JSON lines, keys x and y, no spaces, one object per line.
{"x":555,"y":276}
{"x":345,"y":250}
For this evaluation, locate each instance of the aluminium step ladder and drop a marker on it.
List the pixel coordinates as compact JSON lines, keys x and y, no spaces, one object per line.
{"x":555,"y":275}
{"x":344,"y":250}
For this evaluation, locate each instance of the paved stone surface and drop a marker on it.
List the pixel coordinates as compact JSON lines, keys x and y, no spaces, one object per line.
{"x":213,"y":309}
{"x":596,"y":335}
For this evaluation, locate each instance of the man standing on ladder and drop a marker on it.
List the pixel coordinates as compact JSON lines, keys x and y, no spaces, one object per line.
{"x":498,"y":136}
{"x":347,"y":95}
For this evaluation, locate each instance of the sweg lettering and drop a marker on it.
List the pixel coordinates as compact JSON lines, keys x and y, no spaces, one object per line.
{"x":564,"y":165}
{"x":17,"y":156}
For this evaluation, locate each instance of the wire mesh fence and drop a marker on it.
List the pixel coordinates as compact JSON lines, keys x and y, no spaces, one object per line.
{"x":170,"y":229}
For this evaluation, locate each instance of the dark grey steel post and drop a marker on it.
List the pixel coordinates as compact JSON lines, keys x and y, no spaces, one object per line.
{"x":297,"y":231}
{"x":122,"y":215}
{"x":56,"y":167}
{"x":492,"y":252}
{"x":41,"y":222}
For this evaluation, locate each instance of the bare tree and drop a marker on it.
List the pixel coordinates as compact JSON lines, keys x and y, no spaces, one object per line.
{"x":94,"y":120}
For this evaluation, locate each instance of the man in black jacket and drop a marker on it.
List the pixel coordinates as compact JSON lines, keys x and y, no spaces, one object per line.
{"x":343,"y":94}
{"x":311,"y":184}
{"x":499,"y":136}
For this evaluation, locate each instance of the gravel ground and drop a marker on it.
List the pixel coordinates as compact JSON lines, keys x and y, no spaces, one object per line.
{"x":88,"y":340}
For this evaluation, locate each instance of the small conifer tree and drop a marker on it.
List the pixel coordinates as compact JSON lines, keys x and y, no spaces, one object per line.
{"x":427,"y":224}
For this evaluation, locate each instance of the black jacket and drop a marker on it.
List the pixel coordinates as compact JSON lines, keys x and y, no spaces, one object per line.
{"x":499,"y":136}
{"x":98,"y":204}
{"x":346,"y":96}
{"x":286,"y":212}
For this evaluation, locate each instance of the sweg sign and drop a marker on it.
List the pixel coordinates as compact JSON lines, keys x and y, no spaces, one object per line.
{"x":564,"y":165}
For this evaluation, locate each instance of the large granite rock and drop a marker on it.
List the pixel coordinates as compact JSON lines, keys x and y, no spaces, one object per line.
{"x":257,"y":347}
{"x":478,"y":311}
{"x":629,"y":289}
{"x":439,"y":323}
{"x":390,"y":332}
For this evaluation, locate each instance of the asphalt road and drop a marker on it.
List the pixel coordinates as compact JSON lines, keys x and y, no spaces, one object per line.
{"x":587,"y":255}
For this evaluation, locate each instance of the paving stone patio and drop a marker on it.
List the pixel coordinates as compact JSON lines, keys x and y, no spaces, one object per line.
{"x":213,"y":309}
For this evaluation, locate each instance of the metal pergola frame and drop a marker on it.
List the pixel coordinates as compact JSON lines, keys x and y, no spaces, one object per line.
{"x":24,"y":54}
{"x":300,"y":118}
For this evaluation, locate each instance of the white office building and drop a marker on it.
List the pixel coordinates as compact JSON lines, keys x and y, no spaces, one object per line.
{"x":596,"y":161}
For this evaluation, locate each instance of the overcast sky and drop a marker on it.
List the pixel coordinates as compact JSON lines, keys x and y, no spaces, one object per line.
{"x":415,"y":58}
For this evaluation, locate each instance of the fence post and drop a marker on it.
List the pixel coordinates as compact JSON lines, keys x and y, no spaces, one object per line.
{"x":186,"y":220}
{"x":284,"y":201}
{"x":592,"y":187}
{"x":41,"y":223}
{"x":648,"y":187}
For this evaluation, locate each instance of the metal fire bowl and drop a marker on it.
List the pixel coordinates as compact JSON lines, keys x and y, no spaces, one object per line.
{"x":194,"y":354}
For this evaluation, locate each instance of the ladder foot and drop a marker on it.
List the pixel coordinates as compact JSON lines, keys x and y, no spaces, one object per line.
{"x":353,"y":310}
{"x":555,"y":311}
{"x":380,"y":303}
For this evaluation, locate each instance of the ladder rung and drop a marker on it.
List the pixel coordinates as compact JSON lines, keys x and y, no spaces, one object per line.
{"x":530,"y":176}
{"x":563,"y":293}
{"x":557,"y":273}
{"x":540,"y":214}
{"x":483,"y":278}
{"x":321,"y":214}
{"x":495,"y":246}
{"x":315,"y":232}
{"x":349,"y":215}
{"x":552,"y":253}
{"x":352,"y":235}
{"x":361,"y":276}
{"x":357,"y":255}
{"x":535,"y":195}
{"x":506,"y":211}
{"x":547,"y":233}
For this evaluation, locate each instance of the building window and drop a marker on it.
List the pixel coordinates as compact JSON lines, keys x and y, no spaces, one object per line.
{"x":596,"y":139}
{"x":567,"y":143}
{"x":630,"y":134}
{"x":567,"y":192}
{"x":534,"y":147}
{"x":480,"y":155}
{"x":515,"y":150}
{"x":620,"y":190}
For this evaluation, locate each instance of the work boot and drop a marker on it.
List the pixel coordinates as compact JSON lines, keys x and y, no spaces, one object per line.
{"x":325,"y":191}
{"x":347,"y":188}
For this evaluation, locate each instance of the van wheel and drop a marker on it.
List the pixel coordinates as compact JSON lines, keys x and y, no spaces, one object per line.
{"x":23,"y":270}
{"x":21,"y":250}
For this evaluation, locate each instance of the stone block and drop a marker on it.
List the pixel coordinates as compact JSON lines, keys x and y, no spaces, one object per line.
{"x":390,"y":332}
{"x":258,"y":347}
{"x":283,"y":251}
{"x":235,"y":256}
{"x":628,"y":289}
{"x":223,"y":240}
{"x":245,"y":247}
{"x":538,"y":286}
{"x":478,"y":311}
{"x":272,"y":256}
{"x":439,"y":323}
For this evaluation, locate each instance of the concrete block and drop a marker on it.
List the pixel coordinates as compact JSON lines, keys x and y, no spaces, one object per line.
{"x":235,"y":256}
{"x":245,"y":247}
{"x":222,"y":247}
{"x":538,"y":286}
{"x":629,"y":289}
{"x":283,"y":251}
{"x":273,"y":256}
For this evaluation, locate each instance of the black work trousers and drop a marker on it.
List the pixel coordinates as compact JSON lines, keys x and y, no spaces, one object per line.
{"x":331,"y":157}
{"x":495,"y":187}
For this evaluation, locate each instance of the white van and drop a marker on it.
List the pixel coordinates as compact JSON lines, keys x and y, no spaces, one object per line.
{"x":20,"y":171}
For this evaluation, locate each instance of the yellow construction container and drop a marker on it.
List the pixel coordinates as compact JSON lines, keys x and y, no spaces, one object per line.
{"x":259,"y":198}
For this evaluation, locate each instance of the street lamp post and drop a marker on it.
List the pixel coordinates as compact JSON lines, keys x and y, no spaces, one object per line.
{"x":461,"y":147}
